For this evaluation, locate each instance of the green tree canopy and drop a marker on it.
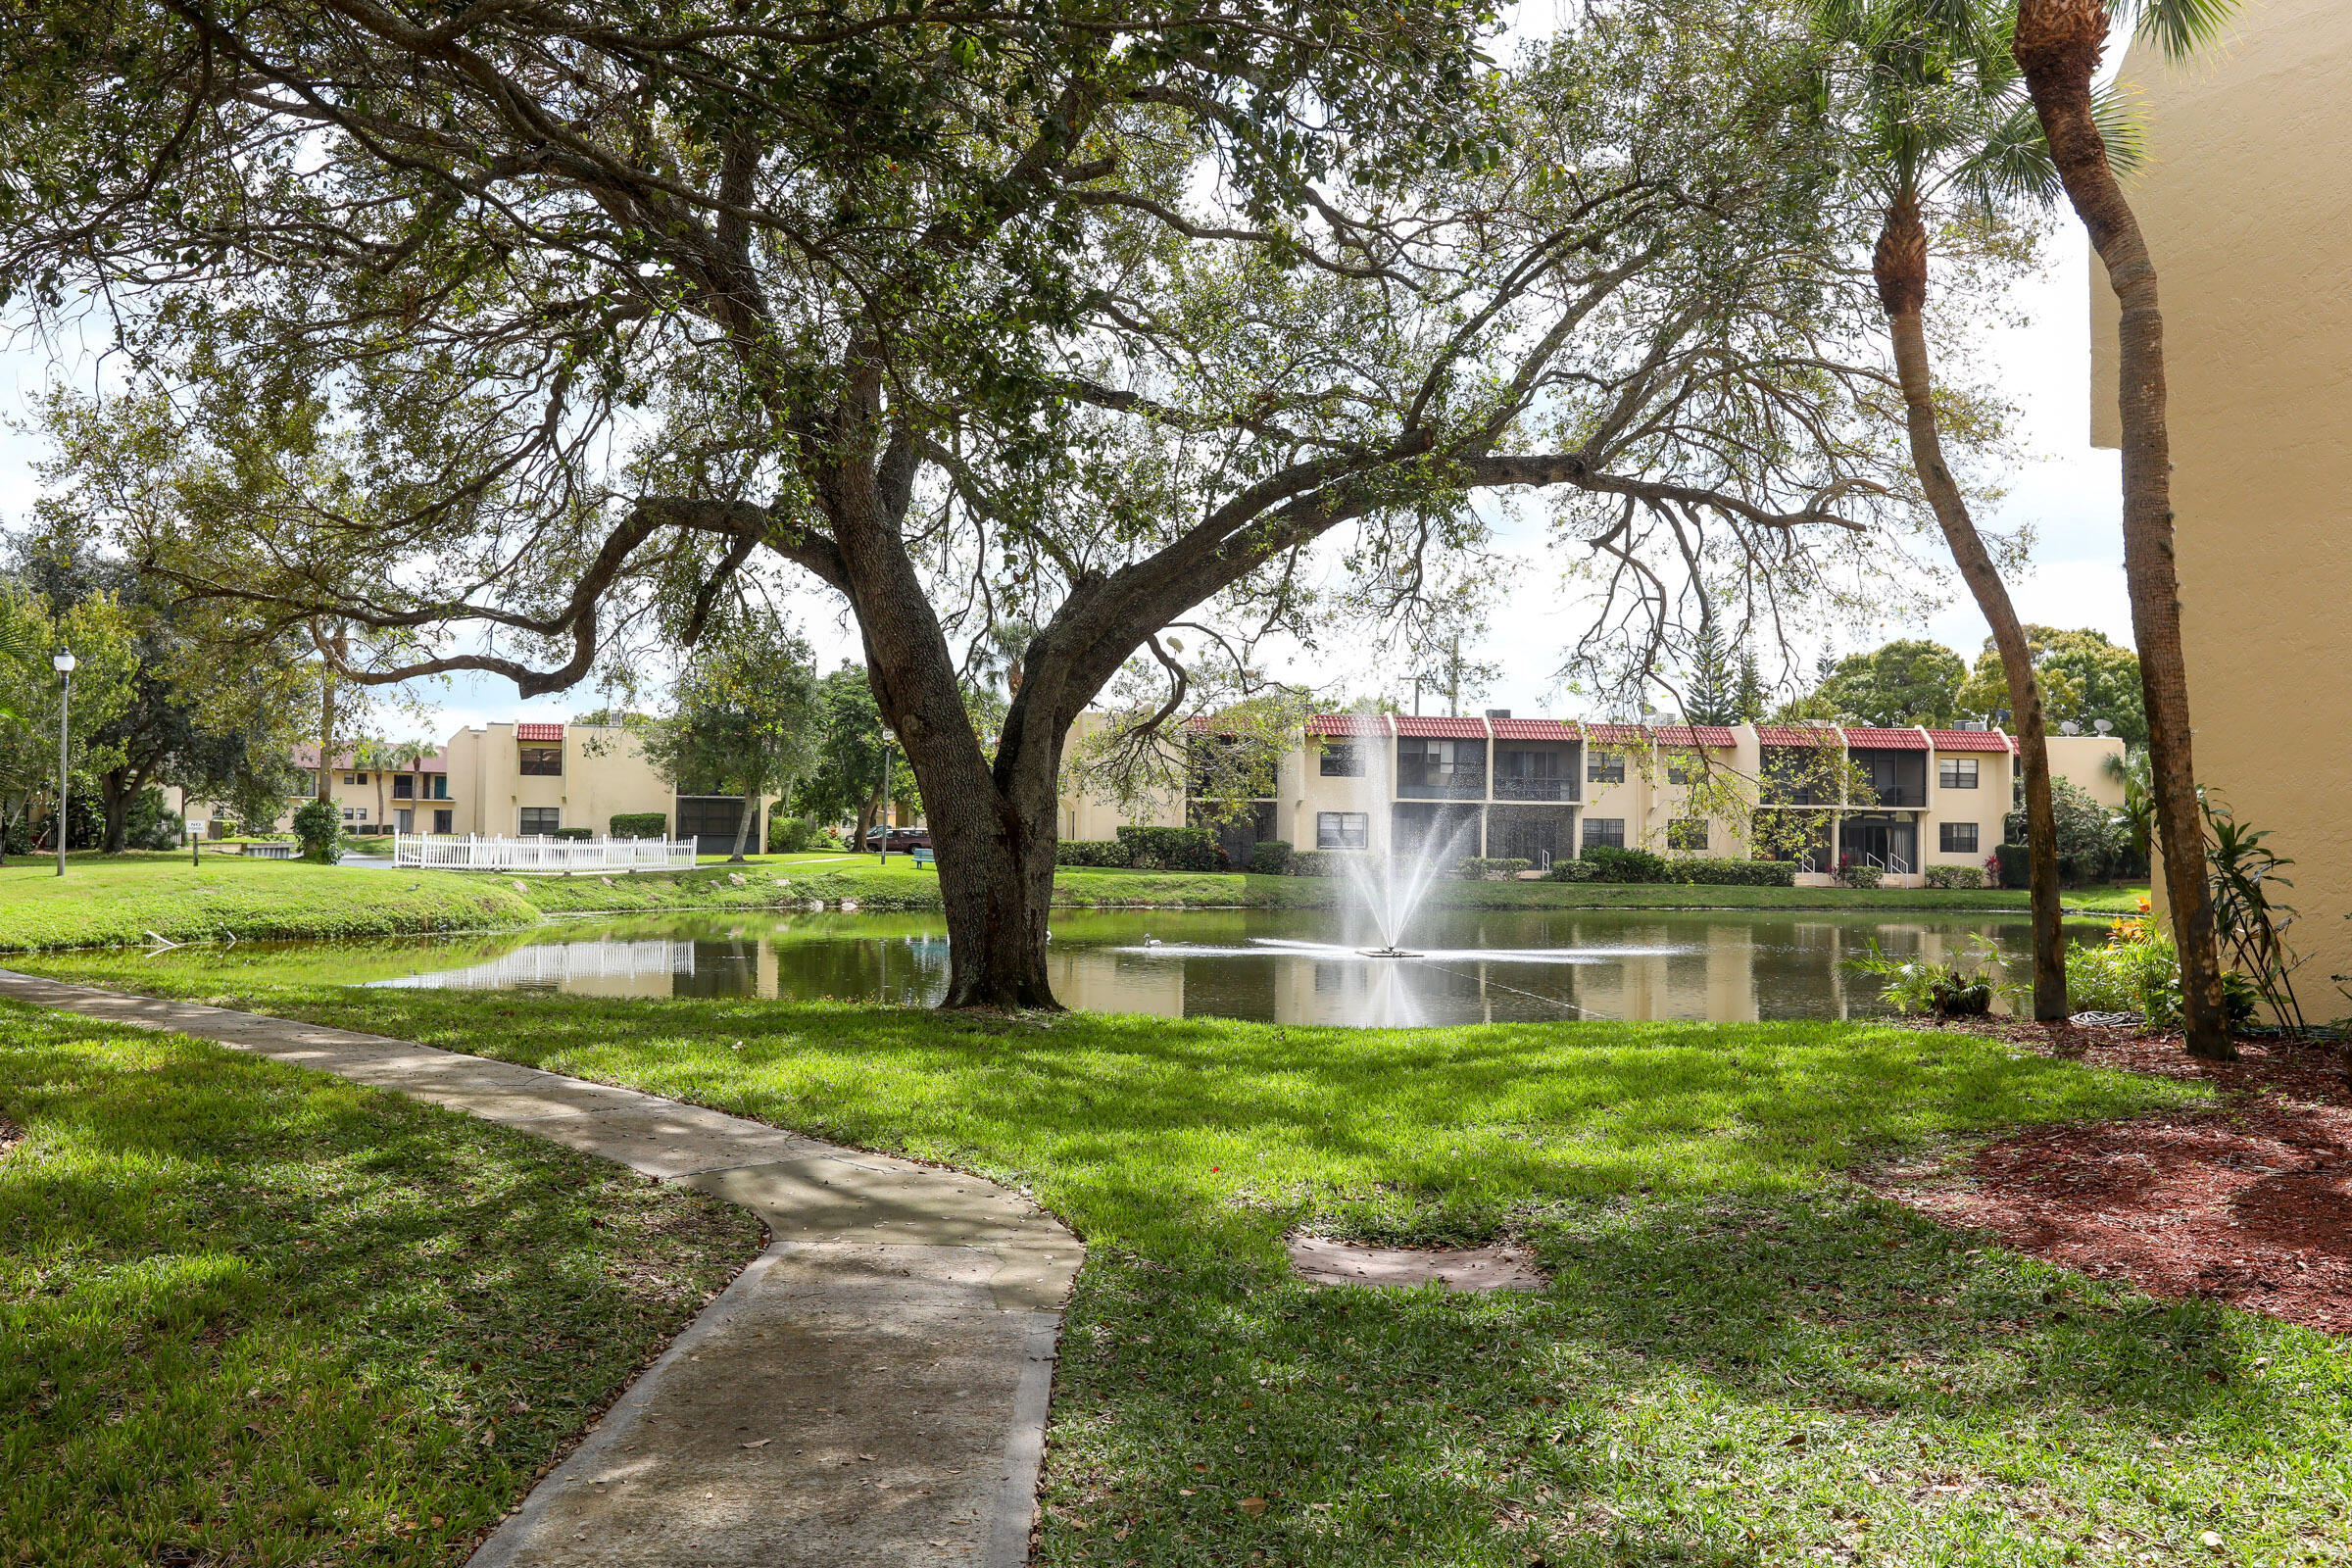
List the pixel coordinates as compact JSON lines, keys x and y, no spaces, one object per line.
{"x":1904,"y":682}
{"x":745,"y":718}
{"x":2085,"y":677}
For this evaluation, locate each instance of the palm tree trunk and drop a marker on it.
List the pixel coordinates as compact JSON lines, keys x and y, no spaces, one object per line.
{"x":2057,"y":45}
{"x":1900,"y":266}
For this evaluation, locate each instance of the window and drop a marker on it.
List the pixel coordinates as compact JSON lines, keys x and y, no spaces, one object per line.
{"x":1605,"y":767}
{"x":440,"y":786}
{"x":442,"y":821}
{"x":403,"y":786}
{"x":1343,"y":830}
{"x":541,"y":818}
{"x":1956,"y":774}
{"x":1342,"y":759}
{"x":1604,"y":830}
{"x":543,"y":760}
{"x":1956,"y":838}
{"x":350,"y":815}
{"x":1679,"y":770}
{"x":1691,"y":833}
{"x":350,"y":778}
{"x":363,"y":814}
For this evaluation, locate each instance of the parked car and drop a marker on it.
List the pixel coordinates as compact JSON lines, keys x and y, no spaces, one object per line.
{"x":900,"y":839}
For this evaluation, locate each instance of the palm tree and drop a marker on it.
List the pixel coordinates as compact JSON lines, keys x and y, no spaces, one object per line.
{"x":2057,"y":45}
{"x":2131,"y":771}
{"x":1937,"y":108}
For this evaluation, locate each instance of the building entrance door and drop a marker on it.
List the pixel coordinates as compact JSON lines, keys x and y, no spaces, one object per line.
{"x":1892,"y":843}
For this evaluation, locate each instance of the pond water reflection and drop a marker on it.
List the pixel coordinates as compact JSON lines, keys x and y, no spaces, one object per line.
{"x":1288,"y":966}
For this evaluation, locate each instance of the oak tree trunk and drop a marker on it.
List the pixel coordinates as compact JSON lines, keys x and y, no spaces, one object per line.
{"x":2057,"y":44}
{"x":743,"y":823}
{"x":1900,"y":266}
{"x":114,"y":793}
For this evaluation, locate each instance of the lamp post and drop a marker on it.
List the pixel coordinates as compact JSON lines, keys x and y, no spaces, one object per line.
{"x":63,"y":664}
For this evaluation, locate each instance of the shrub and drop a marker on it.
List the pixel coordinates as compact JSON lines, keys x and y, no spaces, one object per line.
{"x":1735,"y":873}
{"x":1612,"y":864}
{"x":1570,"y":872}
{"x":791,"y":835}
{"x":318,"y":824}
{"x":574,"y":833}
{"x":2017,"y":869}
{"x":1326,"y":862}
{"x":1101,"y":853}
{"x":1270,"y":856}
{"x":640,"y":825}
{"x":1173,"y":848}
{"x":1959,"y":990}
{"x":2137,"y":969}
{"x":1862,"y":874}
{"x":1955,"y":876}
{"x":1490,"y":870}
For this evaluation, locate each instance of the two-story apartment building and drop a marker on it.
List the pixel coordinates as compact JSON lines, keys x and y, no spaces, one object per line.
{"x":1544,"y":788}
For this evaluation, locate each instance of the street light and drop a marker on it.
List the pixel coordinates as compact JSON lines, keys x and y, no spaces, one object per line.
{"x":62,"y":663}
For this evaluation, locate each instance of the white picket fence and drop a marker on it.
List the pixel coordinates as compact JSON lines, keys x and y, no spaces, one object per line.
{"x":474,"y":851}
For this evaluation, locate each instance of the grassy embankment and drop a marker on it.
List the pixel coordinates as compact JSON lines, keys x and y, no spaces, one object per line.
{"x":1742,"y":1358}
{"x":253,"y":1314}
{"x":118,"y":900}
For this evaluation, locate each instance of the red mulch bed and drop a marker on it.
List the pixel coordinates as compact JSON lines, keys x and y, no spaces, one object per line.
{"x":2249,"y":1202}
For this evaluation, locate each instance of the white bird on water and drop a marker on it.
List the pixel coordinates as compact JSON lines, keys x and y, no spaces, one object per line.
{"x":1151,"y":941}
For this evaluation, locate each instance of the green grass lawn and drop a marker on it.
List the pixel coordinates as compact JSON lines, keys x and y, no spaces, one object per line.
{"x":251,"y":1314}
{"x":1743,"y":1357}
{"x":109,"y":900}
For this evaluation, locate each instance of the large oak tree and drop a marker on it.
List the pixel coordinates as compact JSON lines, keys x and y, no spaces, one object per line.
{"x":523,"y":325}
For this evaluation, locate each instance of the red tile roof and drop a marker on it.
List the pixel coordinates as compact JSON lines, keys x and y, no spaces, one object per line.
{"x":1796,"y":735}
{"x":1348,"y":724}
{"x":1971,"y":740}
{"x":1437,"y":727}
{"x":1887,"y":740}
{"x":1534,"y":729}
{"x":538,"y":732}
{"x":1695,"y":735}
{"x":1614,"y":733}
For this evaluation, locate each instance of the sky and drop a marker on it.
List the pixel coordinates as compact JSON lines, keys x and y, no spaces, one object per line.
{"x":2069,"y":491}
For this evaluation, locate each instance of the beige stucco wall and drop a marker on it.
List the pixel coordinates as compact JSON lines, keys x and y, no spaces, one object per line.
{"x":2244,"y":204}
{"x":605,"y":773}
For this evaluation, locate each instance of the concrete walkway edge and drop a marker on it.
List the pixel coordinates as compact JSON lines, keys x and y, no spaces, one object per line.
{"x":870,"y":1392}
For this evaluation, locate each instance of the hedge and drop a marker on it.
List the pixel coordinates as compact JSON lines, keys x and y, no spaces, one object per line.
{"x":574,"y":833}
{"x":1487,"y":869}
{"x":640,"y":825}
{"x":1173,"y":848}
{"x":792,"y":835}
{"x":1955,"y":876}
{"x":1107,"y":853}
{"x":1270,"y":856}
{"x":1570,"y":872}
{"x":1324,"y":862}
{"x":1735,"y":873}
{"x":2017,"y":869}
{"x":1864,"y":876}
{"x":1612,"y":864}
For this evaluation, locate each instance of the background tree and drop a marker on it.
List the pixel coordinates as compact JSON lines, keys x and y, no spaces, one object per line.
{"x":1712,"y":695}
{"x":104,"y":644}
{"x":847,"y":779}
{"x":2057,"y":45}
{"x":1748,"y":700}
{"x":744,"y":718}
{"x":1909,"y":681}
{"x":2083,"y":678}
{"x":1122,"y":312}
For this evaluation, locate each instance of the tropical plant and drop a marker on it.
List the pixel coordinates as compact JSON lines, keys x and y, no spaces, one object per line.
{"x":2057,"y":45}
{"x":2251,"y":921}
{"x":2138,"y":970}
{"x":1961,"y":989}
{"x":2131,"y":771}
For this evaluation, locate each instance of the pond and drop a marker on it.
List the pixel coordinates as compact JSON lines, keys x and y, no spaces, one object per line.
{"x":1288,"y":967}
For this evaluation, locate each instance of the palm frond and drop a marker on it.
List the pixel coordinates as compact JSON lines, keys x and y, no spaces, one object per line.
{"x":2180,"y":28}
{"x":2114,"y":109}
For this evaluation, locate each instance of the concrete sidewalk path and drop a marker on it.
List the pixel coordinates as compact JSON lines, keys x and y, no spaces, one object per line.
{"x":869,"y":1393}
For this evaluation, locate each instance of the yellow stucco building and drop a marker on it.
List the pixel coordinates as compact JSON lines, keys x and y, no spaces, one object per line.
{"x":2243,"y":200}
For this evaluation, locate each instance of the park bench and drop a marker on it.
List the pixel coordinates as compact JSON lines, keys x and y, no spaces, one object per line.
{"x":923,"y":857}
